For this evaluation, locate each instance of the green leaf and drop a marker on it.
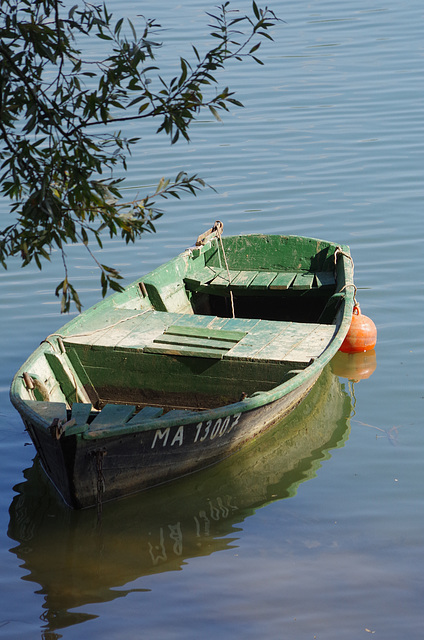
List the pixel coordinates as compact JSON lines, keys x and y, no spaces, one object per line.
{"x":255,"y":48}
{"x":214,"y":113}
{"x":118,"y":26}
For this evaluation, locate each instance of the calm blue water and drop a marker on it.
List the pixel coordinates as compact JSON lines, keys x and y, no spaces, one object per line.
{"x":301,"y":537}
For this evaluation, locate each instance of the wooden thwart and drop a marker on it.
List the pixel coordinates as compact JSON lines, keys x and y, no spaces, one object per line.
{"x":205,"y":332}
{"x":261,"y":340}
{"x":220,"y":279}
{"x":185,"y":350}
{"x":190,"y":341}
{"x":195,"y":341}
{"x":299,"y":343}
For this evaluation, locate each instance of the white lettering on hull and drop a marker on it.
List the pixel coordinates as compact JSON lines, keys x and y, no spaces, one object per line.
{"x":178,"y":438}
{"x":161,"y":435}
{"x":208,"y":429}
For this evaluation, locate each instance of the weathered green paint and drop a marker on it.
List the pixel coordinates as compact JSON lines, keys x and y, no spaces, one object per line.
{"x":79,"y":417}
{"x":243,"y":280}
{"x":200,"y":277}
{"x":224,"y":279}
{"x":282,"y":281}
{"x":268,"y":253}
{"x":48,"y":411}
{"x":206,"y":333}
{"x":146,"y":413}
{"x":161,"y":378}
{"x":112,"y":415}
{"x":185,"y":375}
{"x":303,"y":281}
{"x":262,"y":280}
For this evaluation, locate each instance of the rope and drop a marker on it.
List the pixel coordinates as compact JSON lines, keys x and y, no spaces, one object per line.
{"x":339,"y":252}
{"x":218,"y":226}
{"x":350,"y":284}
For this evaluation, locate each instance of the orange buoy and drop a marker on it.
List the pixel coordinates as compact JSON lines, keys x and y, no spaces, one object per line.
{"x":362,"y":334}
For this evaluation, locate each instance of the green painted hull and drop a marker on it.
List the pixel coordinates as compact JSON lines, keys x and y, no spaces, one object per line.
{"x":185,"y":366}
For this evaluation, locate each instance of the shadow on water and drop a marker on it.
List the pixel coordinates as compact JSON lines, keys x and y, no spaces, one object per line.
{"x":78,"y":561}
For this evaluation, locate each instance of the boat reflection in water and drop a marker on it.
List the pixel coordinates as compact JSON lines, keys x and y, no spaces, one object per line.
{"x":78,"y":561}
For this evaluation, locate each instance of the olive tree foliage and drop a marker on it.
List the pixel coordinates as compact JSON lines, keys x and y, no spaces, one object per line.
{"x":61,"y":112}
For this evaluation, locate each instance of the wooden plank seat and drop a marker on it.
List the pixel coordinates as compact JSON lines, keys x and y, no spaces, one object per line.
{"x":204,"y":336}
{"x":209,"y":279}
{"x":246,"y":339}
{"x":293,"y":342}
{"x":195,"y":341}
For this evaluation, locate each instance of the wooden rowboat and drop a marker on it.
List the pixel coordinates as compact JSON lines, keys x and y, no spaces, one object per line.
{"x":185,"y":365}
